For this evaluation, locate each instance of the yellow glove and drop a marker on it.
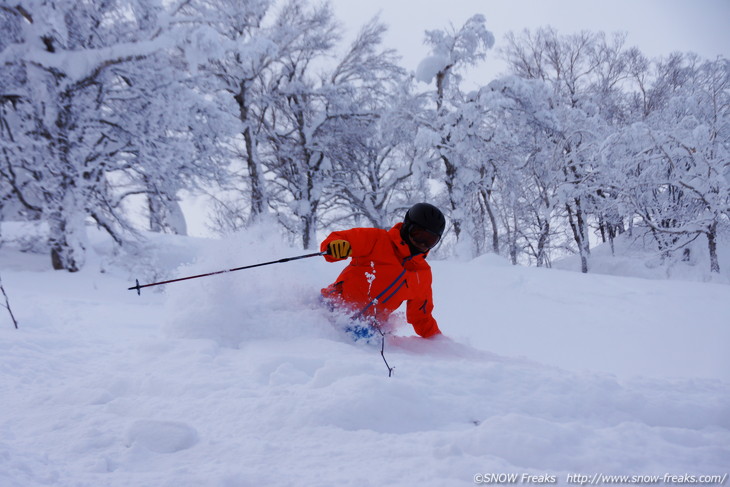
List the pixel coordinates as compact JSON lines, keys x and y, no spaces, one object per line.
{"x":339,"y":249}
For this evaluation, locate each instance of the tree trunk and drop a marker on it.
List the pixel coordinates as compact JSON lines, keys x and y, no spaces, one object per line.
{"x":451,"y":171}
{"x":66,"y":215}
{"x":166,"y":216}
{"x":542,"y":242}
{"x":67,"y":237}
{"x":259,"y":201}
{"x":712,"y":246}
{"x":513,"y":240}
{"x":492,"y":220}
{"x":579,"y":234}
{"x":309,"y":232}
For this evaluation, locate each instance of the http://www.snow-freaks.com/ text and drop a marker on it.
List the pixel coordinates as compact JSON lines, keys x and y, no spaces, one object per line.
{"x":600,"y":479}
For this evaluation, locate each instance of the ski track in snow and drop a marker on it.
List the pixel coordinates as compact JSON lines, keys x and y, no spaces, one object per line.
{"x":234,"y":381}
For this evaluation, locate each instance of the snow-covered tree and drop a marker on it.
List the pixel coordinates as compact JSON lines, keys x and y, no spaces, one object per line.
{"x":298,"y":121}
{"x":84,"y":122}
{"x":374,"y":176}
{"x":320,"y":120}
{"x":372,"y":151}
{"x":585,"y":72}
{"x":452,"y":50}
{"x":234,"y":52}
{"x":678,"y":160}
{"x":526,"y":168}
{"x":178,"y":139}
{"x":59,"y":65}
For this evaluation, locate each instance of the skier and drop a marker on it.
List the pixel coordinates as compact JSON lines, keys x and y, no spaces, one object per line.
{"x":387,"y":268}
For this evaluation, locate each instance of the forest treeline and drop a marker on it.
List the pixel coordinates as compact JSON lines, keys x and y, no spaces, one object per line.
{"x":263,"y":107}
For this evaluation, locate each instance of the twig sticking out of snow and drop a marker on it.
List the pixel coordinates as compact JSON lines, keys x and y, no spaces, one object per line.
{"x":382,"y":352}
{"x":7,"y":305}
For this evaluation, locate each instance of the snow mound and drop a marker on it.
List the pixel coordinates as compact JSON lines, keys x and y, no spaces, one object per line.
{"x":634,"y":256}
{"x":161,"y":436}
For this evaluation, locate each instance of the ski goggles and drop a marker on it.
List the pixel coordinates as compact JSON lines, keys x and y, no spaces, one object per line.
{"x":423,"y":237}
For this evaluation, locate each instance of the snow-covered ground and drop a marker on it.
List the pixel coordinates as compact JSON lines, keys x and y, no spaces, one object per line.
{"x":242,"y":380}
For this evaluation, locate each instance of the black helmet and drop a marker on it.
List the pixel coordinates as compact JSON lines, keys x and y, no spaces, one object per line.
{"x":423,"y":217}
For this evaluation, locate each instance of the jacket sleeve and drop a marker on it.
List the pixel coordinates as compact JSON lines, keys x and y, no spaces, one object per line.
{"x":362,"y":241}
{"x":419,"y":310}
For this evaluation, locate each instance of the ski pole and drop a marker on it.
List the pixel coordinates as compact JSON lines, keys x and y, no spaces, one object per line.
{"x":139,"y":286}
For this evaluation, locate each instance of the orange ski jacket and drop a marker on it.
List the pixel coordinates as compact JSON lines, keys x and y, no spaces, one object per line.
{"x":381,"y":275}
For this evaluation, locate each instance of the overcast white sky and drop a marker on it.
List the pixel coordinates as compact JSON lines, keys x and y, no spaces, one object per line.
{"x":657,"y":27}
